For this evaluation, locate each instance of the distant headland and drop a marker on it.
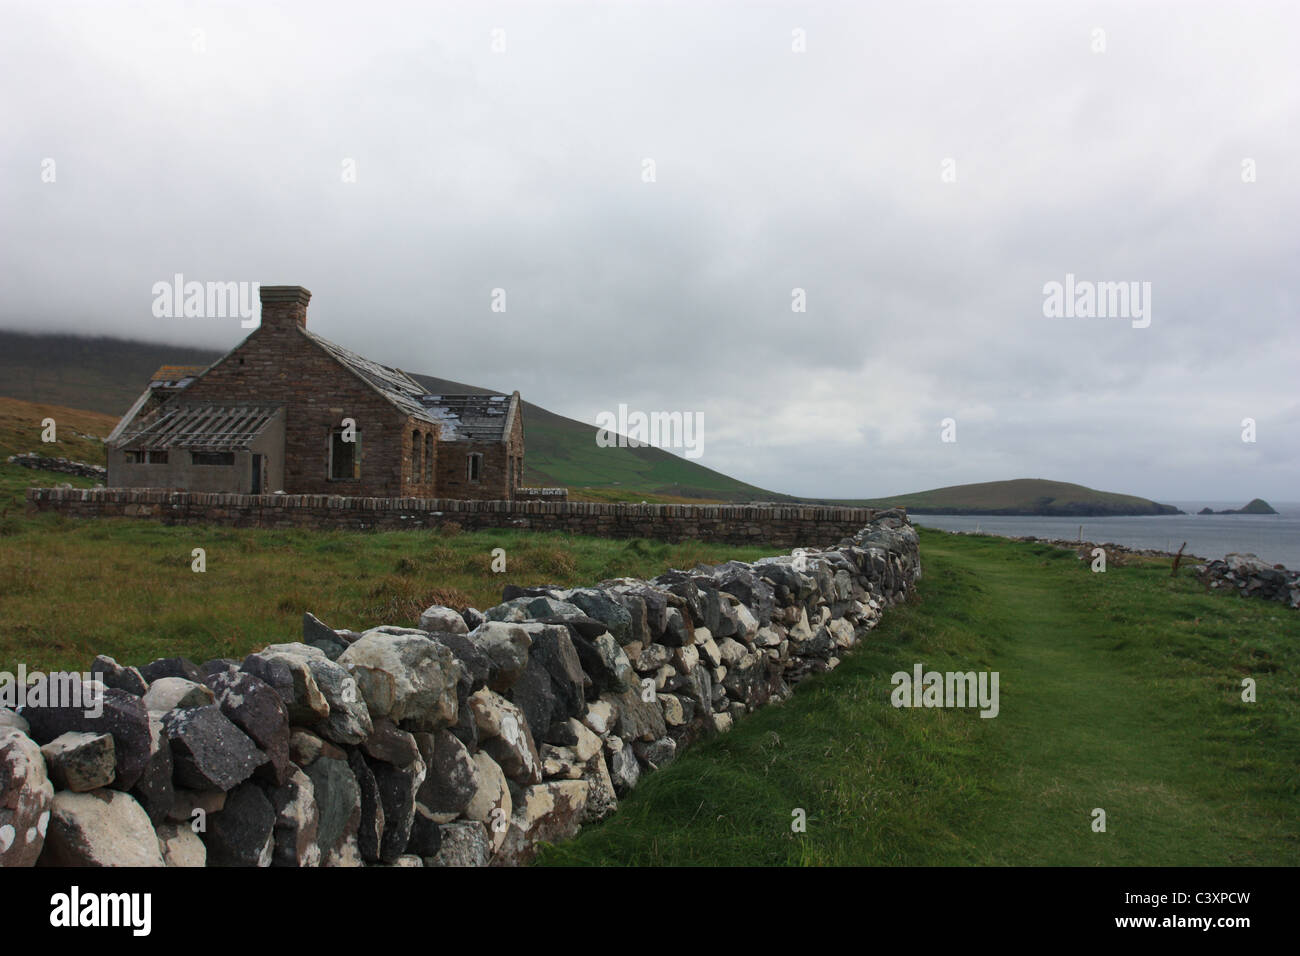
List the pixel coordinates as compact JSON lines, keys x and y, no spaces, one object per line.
{"x":1023,"y":496}
{"x":1257,"y":506}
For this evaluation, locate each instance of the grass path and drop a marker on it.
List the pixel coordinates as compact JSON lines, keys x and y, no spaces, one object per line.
{"x":1118,"y":690}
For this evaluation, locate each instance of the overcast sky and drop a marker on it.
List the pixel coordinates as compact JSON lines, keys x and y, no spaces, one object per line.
{"x":211,"y":140}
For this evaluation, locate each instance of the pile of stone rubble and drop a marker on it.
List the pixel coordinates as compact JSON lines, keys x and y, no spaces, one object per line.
{"x":64,"y":466}
{"x":1251,"y":577}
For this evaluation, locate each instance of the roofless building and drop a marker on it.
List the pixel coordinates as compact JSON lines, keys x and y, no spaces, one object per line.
{"x":287,"y":410}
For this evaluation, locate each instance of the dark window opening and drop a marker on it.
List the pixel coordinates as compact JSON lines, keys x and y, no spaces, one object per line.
{"x":146,"y":457}
{"x":345,"y":456}
{"x":428,"y":458}
{"x":213,"y":457}
{"x":475,"y":467}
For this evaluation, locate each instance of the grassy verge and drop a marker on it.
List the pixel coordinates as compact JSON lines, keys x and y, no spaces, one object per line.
{"x":72,"y":588}
{"x":1119,"y":691}
{"x":76,"y":431}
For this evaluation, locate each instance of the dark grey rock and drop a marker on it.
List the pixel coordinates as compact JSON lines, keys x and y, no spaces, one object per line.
{"x":112,"y":674}
{"x":655,"y":754}
{"x":390,"y":744}
{"x":318,"y":635}
{"x":397,"y":789}
{"x":123,"y":715}
{"x":172,"y":667}
{"x":678,"y":629}
{"x":218,"y":665}
{"x":338,"y":801}
{"x":637,"y":719}
{"x":635,"y":607}
{"x":452,"y":778}
{"x":242,"y":833}
{"x":254,"y":707}
{"x":154,"y":790}
{"x":370,"y":831}
{"x":473,"y":661}
{"x":553,"y":686}
{"x":210,"y":752}
{"x":605,"y":663}
{"x":297,"y":821}
{"x":597,"y":604}
{"x":506,"y":647}
{"x":426,"y":834}
{"x":292,"y":679}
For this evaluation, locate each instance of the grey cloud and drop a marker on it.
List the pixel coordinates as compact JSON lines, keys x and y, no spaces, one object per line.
{"x":521,"y":170}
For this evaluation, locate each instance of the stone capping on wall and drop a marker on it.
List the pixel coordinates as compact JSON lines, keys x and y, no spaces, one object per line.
{"x":778,"y":524}
{"x":55,"y":496}
{"x":468,"y":740}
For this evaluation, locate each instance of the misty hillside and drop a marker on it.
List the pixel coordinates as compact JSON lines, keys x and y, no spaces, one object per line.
{"x":106,"y":375}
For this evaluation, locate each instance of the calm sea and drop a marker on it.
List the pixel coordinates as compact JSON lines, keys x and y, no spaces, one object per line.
{"x":1275,"y":538}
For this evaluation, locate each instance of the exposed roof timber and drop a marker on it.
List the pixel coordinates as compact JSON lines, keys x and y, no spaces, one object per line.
{"x":203,"y":427}
{"x":481,"y":418}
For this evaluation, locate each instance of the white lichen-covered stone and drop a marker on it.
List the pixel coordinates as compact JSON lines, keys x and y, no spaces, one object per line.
{"x":405,"y":677}
{"x":181,"y":846}
{"x":491,"y":804}
{"x":443,"y":620}
{"x":168,"y":693}
{"x":101,"y":828}
{"x":26,"y":798}
{"x":80,"y":761}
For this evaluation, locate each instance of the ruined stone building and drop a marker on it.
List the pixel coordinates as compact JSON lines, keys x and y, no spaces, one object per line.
{"x":287,"y":410}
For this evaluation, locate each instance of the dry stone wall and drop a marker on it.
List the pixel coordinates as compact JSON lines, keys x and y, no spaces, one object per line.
{"x":781,"y":525}
{"x":465,"y":741}
{"x":64,"y":466}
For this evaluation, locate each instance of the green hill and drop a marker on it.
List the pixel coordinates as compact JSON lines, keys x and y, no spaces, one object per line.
{"x":96,"y":374}
{"x":106,"y":375}
{"x":1022,"y":496}
{"x":562,"y":452}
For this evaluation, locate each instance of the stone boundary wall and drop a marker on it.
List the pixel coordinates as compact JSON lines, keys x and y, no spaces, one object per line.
{"x":778,"y":525}
{"x":65,"y":466}
{"x":465,"y":741}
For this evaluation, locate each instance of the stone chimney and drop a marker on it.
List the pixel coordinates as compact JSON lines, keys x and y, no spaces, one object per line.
{"x":284,"y":306}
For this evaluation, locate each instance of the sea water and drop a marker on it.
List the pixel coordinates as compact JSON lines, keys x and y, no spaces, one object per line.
{"x":1274,"y":538}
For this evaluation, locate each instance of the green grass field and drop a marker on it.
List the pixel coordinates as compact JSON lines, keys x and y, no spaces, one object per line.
{"x":1119,"y":691}
{"x":73,"y":588}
